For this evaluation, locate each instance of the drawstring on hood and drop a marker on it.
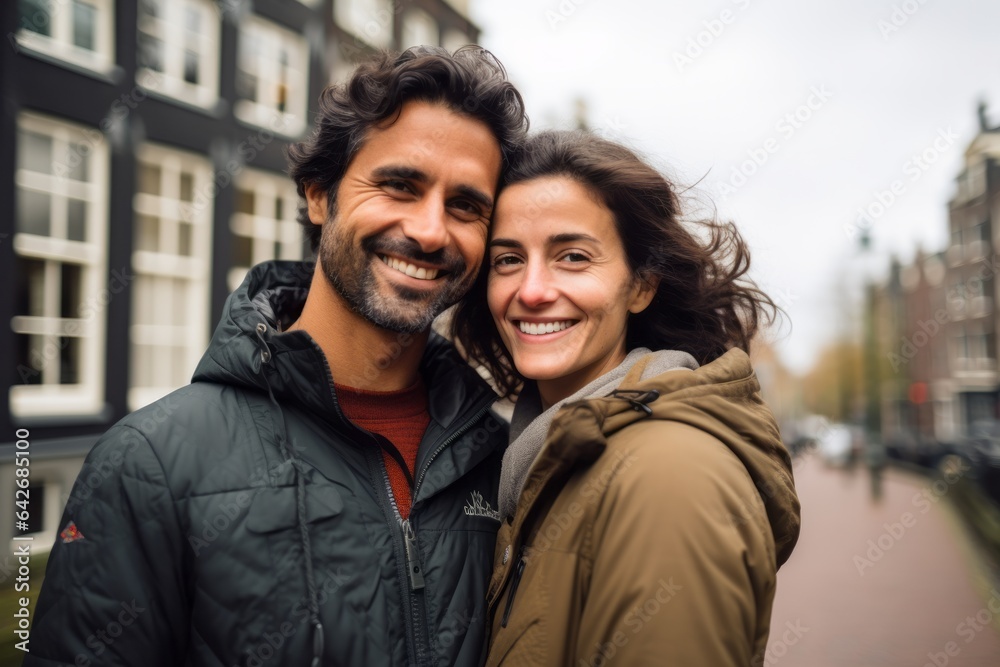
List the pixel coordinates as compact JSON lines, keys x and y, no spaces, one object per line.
{"x":288,"y":449}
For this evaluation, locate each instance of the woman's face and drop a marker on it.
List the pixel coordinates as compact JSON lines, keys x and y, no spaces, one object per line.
{"x":560,"y":289}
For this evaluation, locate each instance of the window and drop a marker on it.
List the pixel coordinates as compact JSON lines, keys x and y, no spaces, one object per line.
{"x":264,"y":223}
{"x":369,"y":20}
{"x":77,"y":31}
{"x":60,"y":238}
{"x":173,"y":223}
{"x":419,"y":27}
{"x":179,"y":49}
{"x":272,"y":77}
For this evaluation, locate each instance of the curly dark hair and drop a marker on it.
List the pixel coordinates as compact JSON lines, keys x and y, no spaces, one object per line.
{"x":470,"y":81}
{"x":704,"y":305}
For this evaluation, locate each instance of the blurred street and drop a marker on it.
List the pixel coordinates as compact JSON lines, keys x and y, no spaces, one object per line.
{"x":889,"y":580}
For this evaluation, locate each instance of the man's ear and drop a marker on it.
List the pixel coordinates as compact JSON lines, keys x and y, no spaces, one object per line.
{"x":643,"y":292}
{"x":316,"y":203}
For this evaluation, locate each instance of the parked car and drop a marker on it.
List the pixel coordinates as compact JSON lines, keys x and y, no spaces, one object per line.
{"x":981,"y":449}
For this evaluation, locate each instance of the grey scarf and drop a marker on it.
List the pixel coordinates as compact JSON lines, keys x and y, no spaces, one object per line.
{"x":530,"y":425}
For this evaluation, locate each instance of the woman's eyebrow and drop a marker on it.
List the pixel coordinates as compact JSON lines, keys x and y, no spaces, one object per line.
{"x":555,"y":239}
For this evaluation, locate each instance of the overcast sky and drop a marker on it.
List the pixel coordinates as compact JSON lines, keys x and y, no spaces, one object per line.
{"x":703,"y":87}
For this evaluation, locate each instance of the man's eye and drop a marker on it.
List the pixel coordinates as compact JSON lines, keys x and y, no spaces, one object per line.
{"x":401,"y":186}
{"x":575,"y":257}
{"x":467,"y":210}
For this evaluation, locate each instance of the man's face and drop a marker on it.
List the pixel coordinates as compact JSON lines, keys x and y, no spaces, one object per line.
{"x":409,"y":227}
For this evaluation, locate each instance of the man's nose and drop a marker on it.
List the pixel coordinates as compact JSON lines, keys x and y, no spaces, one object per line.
{"x":427,"y":225}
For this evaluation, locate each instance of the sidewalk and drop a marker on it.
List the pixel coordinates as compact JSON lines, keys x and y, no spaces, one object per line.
{"x":894,"y":581}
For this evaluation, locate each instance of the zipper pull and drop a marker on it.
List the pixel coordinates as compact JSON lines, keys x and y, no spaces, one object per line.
{"x":413,"y":567}
{"x":518,"y":571}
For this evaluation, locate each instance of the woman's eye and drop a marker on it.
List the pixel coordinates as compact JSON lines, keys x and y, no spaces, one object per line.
{"x":505,"y":261}
{"x":575,"y":257}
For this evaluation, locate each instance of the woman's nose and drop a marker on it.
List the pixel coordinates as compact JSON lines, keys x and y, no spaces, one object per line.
{"x":537,"y":286}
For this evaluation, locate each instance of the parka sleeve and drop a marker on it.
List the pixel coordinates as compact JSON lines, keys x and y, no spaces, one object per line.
{"x":114,"y":591}
{"x":684,"y":564}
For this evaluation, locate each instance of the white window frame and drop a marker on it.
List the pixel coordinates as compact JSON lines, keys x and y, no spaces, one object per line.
{"x":170,"y":30}
{"x":369,"y":20}
{"x":87,"y":396}
{"x":266,"y":228}
{"x":264,"y":112}
{"x":418,"y":27}
{"x":165,"y":265}
{"x":60,"y":44}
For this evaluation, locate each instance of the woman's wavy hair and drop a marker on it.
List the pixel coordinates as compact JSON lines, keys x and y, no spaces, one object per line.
{"x":705,"y":303}
{"x":470,"y":81}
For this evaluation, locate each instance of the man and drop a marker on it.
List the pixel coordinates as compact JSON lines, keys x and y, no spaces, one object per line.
{"x":323,"y":492}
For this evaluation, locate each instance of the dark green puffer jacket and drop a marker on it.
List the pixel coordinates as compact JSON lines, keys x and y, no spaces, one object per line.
{"x":192,"y":544}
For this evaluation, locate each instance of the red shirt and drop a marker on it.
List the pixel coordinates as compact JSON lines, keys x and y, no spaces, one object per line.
{"x":400,"y":417}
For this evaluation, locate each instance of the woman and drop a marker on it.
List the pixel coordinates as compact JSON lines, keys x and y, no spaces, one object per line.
{"x":648,"y":500}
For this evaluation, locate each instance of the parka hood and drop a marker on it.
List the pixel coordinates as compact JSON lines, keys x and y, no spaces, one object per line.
{"x":721,"y":398}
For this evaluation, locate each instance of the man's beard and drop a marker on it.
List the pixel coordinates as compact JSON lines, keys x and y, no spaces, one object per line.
{"x":349,"y":270}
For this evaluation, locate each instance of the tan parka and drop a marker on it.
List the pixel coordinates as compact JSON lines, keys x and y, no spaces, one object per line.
{"x":649,"y":529}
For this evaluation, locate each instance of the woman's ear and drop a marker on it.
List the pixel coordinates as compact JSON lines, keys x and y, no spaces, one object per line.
{"x":316,"y":204}
{"x":643,"y":292}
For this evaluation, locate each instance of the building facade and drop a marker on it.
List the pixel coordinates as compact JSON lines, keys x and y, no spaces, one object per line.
{"x":142,"y":172}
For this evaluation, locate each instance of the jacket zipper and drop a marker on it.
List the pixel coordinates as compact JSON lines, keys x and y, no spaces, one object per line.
{"x":450,"y":439}
{"x":518,"y":571}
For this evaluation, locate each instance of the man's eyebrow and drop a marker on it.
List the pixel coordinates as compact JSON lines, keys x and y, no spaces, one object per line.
{"x":399,"y":171}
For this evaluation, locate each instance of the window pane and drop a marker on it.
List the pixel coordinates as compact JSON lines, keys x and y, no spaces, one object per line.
{"x":35,"y":16}
{"x":150,"y":52}
{"x":31,"y":292}
{"x":36,"y":517}
{"x":69,"y":357}
{"x":34,"y":212}
{"x":34,"y":152}
{"x":150,"y":8}
{"x":179,"y":291}
{"x":184,"y":239}
{"x":192,"y":20}
{"x":84,"y":25}
{"x":149,"y":179}
{"x":79,"y":158}
{"x":244,"y":202}
{"x":242,"y":251}
{"x":147,"y":233}
{"x":246,"y":85}
{"x":29,"y":360}
{"x":187,"y":187}
{"x":76,"y":227}
{"x":142,"y":365}
{"x":72,"y":285}
{"x":279,"y":208}
{"x":190,"y":66}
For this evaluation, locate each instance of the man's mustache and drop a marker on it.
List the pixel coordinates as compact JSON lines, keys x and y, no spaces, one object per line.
{"x":410,"y":250}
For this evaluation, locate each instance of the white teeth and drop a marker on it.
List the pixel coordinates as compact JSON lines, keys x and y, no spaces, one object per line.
{"x":536,"y":329}
{"x":419,"y":273}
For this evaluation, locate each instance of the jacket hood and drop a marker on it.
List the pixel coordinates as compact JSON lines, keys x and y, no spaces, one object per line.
{"x":721,"y":398}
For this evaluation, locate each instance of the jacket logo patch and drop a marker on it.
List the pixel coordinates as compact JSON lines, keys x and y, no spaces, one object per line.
{"x":478,"y":507}
{"x":70,"y":533}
